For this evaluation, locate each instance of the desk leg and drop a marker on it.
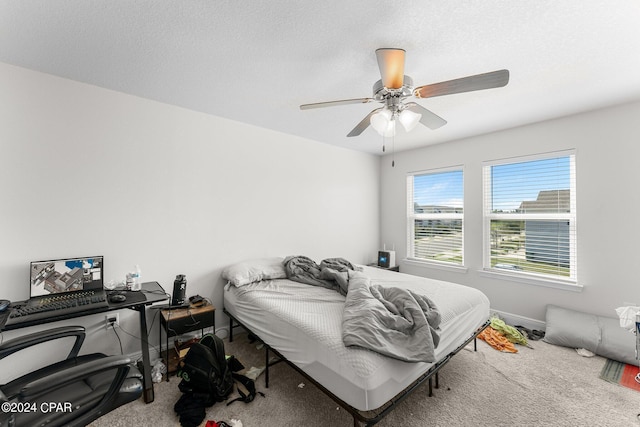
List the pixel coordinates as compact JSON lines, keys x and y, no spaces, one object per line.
{"x":167,"y":346}
{"x":146,"y":362}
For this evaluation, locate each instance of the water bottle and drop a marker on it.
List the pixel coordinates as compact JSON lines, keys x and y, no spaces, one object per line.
{"x":136,"y":283}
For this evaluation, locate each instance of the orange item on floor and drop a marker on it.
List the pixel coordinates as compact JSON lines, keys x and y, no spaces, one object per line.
{"x":496,"y":340}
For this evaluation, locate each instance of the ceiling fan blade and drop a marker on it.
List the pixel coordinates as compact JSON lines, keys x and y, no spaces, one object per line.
{"x":360,"y":127}
{"x":391,"y":64}
{"x":334,"y":103}
{"x":465,"y":84}
{"x":429,"y":118}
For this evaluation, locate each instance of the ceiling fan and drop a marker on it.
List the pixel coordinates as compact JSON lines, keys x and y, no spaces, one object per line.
{"x":393,"y":89}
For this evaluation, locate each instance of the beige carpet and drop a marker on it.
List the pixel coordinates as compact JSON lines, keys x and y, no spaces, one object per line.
{"x":544,"y":386}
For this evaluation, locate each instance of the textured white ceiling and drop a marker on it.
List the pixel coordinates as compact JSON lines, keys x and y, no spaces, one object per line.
{"x":257,"y":61}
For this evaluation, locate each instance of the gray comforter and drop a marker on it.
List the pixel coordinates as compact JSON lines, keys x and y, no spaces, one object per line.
{"x":392,"y":321}
{"x":332,"y":273}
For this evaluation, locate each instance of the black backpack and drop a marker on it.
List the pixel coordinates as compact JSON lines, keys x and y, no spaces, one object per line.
{"x":205,"y":370}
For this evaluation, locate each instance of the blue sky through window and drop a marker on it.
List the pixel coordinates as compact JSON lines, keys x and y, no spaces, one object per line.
{"x":511,"y":183}
{"x":516,"y":182}
{"x":439,"y":189}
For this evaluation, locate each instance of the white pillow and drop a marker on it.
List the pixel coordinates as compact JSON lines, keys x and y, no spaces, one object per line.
{"x":254,"y":270}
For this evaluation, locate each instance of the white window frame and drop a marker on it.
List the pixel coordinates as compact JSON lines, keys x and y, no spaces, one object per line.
{"x":412,"y":216}
{"x":549,"y":280}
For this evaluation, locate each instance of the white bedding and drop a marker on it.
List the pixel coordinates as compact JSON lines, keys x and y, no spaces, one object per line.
{"x":304,"y":323}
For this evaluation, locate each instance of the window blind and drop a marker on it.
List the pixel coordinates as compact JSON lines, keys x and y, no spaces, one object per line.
{"x":435,"y":216}
{"x":530,"y":216}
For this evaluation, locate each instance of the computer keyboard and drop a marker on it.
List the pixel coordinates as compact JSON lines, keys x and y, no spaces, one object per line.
{"x":58,"y":305}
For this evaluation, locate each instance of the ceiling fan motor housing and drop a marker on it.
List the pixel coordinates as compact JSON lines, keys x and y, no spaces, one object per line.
{"x":392,"y":97}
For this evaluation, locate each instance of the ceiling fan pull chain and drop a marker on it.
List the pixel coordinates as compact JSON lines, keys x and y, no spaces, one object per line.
{"x":393,"y":151}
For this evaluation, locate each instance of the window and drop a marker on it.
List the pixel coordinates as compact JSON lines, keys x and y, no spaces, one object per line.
{"x":530,"y":216}
{"x":434,"y":216}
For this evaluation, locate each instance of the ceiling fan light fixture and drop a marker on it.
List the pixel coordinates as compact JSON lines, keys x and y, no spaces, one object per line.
{"x":409,"y":119}
{"x":390,"y":130}
{"x":383,"y":123}
{"x":391,"y":64}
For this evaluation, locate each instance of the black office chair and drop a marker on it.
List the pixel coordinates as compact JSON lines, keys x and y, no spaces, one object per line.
{"x":85,"y":387}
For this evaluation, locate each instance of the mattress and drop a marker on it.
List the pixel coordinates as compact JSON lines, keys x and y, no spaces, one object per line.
{"x":304,"y":324}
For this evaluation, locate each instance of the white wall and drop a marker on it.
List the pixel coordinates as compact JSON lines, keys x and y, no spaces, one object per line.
{"x":88,"y":171}
{"x":608,"y":173}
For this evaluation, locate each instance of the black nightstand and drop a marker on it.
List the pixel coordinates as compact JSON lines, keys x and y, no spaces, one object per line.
{"x":394,"y":268}
{"x":178,"y":321}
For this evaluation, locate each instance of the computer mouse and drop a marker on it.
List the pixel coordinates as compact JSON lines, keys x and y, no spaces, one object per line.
{"x":117,"y":298}
{"x":4,"y":304}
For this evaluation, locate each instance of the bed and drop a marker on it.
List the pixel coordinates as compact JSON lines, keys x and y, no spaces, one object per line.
{"x":302,"y":324}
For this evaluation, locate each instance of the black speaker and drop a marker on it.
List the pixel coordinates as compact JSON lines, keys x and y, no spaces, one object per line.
{"x":386,"y":259}
{"x":179,"y":290}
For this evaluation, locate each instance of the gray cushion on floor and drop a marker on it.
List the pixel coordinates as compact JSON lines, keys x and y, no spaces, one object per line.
{"x":600,"y":335}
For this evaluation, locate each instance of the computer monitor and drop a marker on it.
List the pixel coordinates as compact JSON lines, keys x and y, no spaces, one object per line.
{"x":66,"y":275}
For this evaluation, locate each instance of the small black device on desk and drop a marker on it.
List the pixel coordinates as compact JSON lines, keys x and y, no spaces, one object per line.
{"x":119,"y":297}
{"x":197,"y":301}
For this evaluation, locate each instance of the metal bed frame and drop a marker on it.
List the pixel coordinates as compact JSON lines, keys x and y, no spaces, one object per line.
{"x":372,"y":417}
